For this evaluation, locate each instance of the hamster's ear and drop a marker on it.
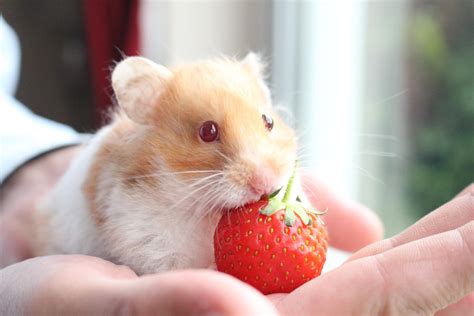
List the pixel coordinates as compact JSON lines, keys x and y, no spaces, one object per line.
{"x":254,"y":63}
{"x":138,"y":84}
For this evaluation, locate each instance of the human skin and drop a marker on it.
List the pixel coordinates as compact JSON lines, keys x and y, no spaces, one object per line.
{"x":390,"y":276}
{"x":426,"y":269}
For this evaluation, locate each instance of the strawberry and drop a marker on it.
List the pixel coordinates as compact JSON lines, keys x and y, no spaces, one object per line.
{"x":274,"y":244}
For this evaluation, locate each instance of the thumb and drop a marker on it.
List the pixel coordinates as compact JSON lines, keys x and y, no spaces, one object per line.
{"x":196,"y":292}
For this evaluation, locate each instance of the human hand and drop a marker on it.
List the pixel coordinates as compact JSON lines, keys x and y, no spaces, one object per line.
{"x":424,"y":269}
{"x":19,"y":197}
{"x":350,"y":225}
{"x":82,"y":285}
{"x":77,"y":283}
{"x":88,"y":285}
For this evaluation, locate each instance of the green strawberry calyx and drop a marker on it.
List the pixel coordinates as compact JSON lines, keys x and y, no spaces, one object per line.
{"x":284,"y":199}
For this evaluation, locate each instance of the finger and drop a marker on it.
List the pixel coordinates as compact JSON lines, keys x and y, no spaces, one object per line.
{"x":351,"y":226}
{"x":194,"y":292}
{"x":464,"y":307}
{"x":451,"y":215}
{"x":92,"y":286}
{"x":468,"y":190}
{"x":59,"y":285}
{"x":420,"y":277}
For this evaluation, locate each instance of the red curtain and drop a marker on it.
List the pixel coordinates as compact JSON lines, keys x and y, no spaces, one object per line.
{"x":112,"y":31}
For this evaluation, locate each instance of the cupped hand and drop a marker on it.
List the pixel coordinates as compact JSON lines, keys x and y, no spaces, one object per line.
{"x":423,"y":270}
{"x":82,"y":285}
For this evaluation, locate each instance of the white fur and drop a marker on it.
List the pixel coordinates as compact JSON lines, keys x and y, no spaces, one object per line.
{"x":149,"y":232}
{"x":255,"y":63}
{"x":141,"y":228}
{"x":145,"y":230}
{"x":71,"y":227}
{"x":150,"y":228}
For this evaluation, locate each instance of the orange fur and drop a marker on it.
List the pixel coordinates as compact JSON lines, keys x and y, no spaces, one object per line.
{"x":227,"y":93}
{"x":223,"y":91}
{"x":113,"y":151}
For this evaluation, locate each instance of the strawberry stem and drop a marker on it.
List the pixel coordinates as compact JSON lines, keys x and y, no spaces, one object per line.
{"x":291,"y":204}
{"x":289,"y":186}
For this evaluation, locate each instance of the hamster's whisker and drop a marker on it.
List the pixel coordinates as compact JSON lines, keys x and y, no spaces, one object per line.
{"x":303,"y":157}
{"x":391,"y":97}
{"x":302,"y":148}
{"x":199,"y":181}
{"x":308,"y":189}
{"x":191,"y":171}
{"x":381,"y":154}
{"x":302,"y":167}
{"x":224,"y":156}
{"x":206,"y":203}
{"x":221,"y":196}
{"x":230,"y":189}
{"x":210,"y":206}
{"x":198,"y":202}
{"x":305,"y":162}
{"x":157,"y":174}
{"x":379,"y":136}
{"x":216,"y":196}
{"x":187,"y":196}
{"x":369,"y":175}
{"x":209,"y":193}
{"x":207,"y":207}
{"x":300,"y":134}
{"x":378,"y":154}
{"x":304,"y":152}
{"x":362,"y":171}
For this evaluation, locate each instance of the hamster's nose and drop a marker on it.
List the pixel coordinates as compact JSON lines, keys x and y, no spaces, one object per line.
{"x":262,"y":182}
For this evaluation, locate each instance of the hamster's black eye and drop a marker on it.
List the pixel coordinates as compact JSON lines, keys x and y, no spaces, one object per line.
{"x":209,"y":131}
{"x":268,"y":121}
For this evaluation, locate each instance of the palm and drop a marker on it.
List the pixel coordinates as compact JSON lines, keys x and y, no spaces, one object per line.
{"x":75,"y":284}
{"x":387,"y":276}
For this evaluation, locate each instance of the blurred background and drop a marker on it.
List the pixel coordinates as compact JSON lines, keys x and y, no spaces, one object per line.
{"x":381,"y":92}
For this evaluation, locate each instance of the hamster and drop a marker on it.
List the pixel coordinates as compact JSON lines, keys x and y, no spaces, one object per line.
{"x":184,"y":144}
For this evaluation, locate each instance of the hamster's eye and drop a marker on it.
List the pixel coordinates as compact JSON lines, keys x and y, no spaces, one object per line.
{"x":209,"y":131}
{"x":268,"y":121}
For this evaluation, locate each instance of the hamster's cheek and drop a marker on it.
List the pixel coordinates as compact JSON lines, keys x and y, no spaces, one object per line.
{"x":237,"y":195}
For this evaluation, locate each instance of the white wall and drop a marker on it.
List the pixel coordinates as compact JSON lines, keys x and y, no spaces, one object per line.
{"x":315,"y":49}
{"x":177,"y":31}
{"x":336,"y":64}
{"x":317,"y":68}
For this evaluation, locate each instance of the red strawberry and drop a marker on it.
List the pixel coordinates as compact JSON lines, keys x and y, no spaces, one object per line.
{"x":267,"y":246}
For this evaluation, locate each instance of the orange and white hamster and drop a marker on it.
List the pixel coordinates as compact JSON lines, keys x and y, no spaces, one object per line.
{"x":185,"y":143}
